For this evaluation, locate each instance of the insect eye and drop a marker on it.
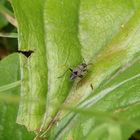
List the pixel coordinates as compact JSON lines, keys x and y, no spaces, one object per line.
{"x":75,"y":72}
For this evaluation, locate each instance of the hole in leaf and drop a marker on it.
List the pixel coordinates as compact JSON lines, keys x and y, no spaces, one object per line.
{"x":26,"y":53}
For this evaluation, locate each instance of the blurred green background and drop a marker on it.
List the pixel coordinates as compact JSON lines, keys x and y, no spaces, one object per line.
{"x":8,"y":42}
{"x":9,"y":72}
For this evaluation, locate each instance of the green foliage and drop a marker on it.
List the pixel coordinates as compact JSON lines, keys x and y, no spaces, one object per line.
{"x":115,"y":106}
{"x":61,"y":34}
{"x":5,"y":14}
{"x":9,"y":99}
{"x":33,"y":87}
{"x":3,"y":21}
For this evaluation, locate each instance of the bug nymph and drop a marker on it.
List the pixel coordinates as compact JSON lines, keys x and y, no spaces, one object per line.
{"x":78,"y":71}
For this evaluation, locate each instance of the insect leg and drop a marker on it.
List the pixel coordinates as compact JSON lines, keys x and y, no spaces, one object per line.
{"x":70,"y":69}
{"x":81,"y":76}
{"x":85,"y":70}
{"x":91,"y":86}
{"x":63,"y":74}
{"x":84,"y":61}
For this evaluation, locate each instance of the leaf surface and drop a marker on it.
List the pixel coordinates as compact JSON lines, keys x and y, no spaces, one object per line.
{"x":62,"y":35}
{"x":9,"y":99}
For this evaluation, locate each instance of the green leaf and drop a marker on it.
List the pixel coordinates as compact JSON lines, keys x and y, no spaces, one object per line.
{"x":63,"y":34}
{"x":122,"y":51}
{"x":123,"y":101}
{"x":115,"y":102}
{"x":9,"y":35}
{"x":99,"y":22}
{"x":3,"y":21}
{"x":62,"y":45}
{"x":113,"y":130}
{"x":9,"y":73}
{"x":9,"y":86}
{"x":6,"y":15}
{"x":33,"y":68}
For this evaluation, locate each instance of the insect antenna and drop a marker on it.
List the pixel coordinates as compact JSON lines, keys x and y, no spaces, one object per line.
{"x":70,"y":69}
{"x":65,"y":72}
{"x":84,"y":61}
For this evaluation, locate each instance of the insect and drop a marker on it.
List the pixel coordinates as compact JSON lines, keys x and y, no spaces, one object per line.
{"x":78,"y":71}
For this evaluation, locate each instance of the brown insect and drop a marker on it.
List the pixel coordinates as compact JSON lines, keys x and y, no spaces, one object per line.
{"x":78,"y":71}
